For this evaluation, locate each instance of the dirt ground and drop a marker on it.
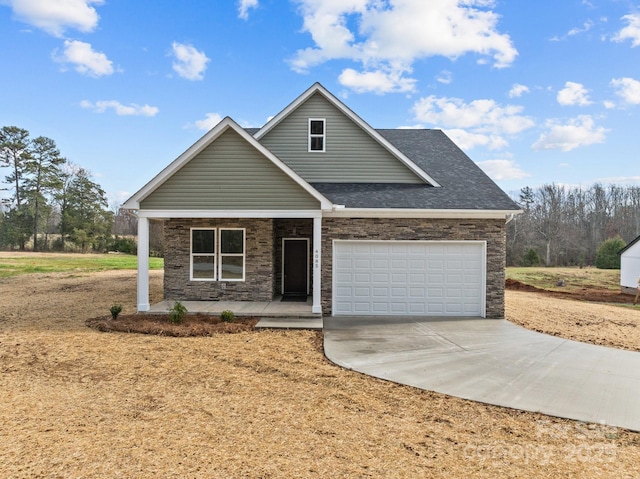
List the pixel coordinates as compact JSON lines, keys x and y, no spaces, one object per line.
{"x":77,"y":402}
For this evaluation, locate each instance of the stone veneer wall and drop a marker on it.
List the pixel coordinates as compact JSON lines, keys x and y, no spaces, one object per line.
{"x":285,"y":228}
{"x":259,"y":262}
{"x":491,"y":231}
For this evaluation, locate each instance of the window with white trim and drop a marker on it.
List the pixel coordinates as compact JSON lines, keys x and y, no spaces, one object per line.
{"x":203,"y":254}
{"x":317,"y":134}
{"x":217,"y":254}
{"x":232,"y":254}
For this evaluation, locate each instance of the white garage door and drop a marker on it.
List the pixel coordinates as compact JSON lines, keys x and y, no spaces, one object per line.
{"x":429,"y":278}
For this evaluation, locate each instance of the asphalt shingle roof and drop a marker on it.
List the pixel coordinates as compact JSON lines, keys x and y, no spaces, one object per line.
{"x":463,"y":184}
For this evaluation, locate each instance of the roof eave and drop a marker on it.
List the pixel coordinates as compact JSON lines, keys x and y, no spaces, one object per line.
{"x":340,"y":211}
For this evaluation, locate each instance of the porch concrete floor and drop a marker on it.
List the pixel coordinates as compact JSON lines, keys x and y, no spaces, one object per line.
{"x":273,"y":314}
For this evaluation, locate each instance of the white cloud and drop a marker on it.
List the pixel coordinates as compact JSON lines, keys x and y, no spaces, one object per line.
{"x":628,"y":89}
{"x":467,"y":140}
{"x":500,"y":170}
{"x":517,"y":90}
{"x":86,"y":60}
{"x":120,"y":109}
{"x":631,"y":31}
{"x":375,"y":81}
{"x":210,"y":120}
{"x":478,"y":123}
{"x":586,"y":26}
{"x":189,"y":63}
{"x":445,"y":77}
{"x":244,"y":6}
{"x":56,"y":16}
{"x":573,"y":94}
{"x":619,"y":180}
{"x":391,"y":35}
{"x":577,"y":132}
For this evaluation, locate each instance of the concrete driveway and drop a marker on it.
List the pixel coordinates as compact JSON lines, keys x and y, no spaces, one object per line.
{"x":492,"y":361}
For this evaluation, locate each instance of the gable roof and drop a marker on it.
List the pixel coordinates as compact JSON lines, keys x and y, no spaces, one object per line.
{"x":631,"y":243}
{"x":210,"y":137}
{"x":464,"y":185}
{"x":317,"y":88}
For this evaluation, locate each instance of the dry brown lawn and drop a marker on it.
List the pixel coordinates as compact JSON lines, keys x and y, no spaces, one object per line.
{"x":76,"y":402}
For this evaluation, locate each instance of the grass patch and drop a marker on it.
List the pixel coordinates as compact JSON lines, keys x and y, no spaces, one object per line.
{"x":15,"y":264}
{"x":574,"y":278}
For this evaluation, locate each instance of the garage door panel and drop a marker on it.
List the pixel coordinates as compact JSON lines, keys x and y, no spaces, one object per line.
{"x":381,"y":278}
{"x":399,"y":292}
{"x":417,"y":308}
{"x":379,"y":263}
{"x":360,"y":277}
{"x":418,"y":293}
{"x":380,"y":292}
{"x":409,"y":277}
{"x":360,"y":292}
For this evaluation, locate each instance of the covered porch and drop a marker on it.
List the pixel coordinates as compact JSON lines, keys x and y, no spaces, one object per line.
{"x":275,"y":308}
{"x":266,"y":235}
{"x":276,"y":314}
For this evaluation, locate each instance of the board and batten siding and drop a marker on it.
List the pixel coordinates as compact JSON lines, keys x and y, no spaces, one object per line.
{"x":229,"y":174}
{"x":351,"y":154}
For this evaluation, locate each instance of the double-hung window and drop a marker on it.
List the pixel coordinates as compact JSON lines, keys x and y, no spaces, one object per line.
{"x":317,"y":134}
{"x":232,"y":254}
{"x":217,"y":254}
{"x":203,"y":254}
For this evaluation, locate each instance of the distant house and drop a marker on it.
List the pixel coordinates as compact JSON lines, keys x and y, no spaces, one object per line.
{"x":317,"y":202}
{"x":630,"y":266}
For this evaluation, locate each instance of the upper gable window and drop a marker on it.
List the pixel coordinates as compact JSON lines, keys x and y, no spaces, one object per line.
{"x":317,"y":134}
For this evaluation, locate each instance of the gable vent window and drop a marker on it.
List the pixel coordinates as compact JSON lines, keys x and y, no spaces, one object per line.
{"x":317,"y":129}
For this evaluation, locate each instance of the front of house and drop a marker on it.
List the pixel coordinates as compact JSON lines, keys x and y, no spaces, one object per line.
{"x":316,"y":202}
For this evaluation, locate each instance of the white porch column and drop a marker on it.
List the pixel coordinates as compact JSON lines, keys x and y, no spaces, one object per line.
{"x":317,"y":256}
{"x":143,"y":264}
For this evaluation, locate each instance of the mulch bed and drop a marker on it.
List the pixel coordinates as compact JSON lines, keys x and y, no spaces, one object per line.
{"x":160,"y":325}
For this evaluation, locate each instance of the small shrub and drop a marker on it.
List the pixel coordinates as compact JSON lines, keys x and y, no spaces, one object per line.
{"x":227,"y":316}
{"x":607,"y":256}
{"x":123,"y":245}
{"x":178,"y":312}
{"x":115,"y":310}
{"x":531,"y":258}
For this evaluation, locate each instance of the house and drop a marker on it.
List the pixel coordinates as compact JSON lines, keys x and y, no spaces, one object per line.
{"x":317,"y":202}
{"x":630,"y":267}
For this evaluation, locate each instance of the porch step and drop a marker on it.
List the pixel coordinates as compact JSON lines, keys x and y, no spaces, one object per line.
{"x":306,"y":322}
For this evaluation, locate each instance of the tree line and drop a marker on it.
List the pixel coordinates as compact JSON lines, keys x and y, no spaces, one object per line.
{"x":47,"y":196}
{"x":566,"y":226}
{"x":49,"y":203}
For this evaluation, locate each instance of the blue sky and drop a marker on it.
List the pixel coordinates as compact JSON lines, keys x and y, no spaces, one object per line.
{"x":534,"y":92}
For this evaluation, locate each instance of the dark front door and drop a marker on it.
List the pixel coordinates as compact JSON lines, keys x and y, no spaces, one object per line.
{"x":295,"y":266}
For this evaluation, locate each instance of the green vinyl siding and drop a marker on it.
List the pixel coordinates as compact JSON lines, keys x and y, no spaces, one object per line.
{"x":351,"y":155}
{"x":229,"y":174}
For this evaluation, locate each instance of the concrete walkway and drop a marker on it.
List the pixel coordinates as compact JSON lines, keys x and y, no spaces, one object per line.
{"x":495,"y":362}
